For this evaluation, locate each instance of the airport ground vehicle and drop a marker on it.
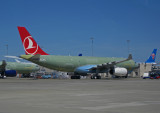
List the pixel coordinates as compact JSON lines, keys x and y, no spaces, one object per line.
{"x":155,"y":75}
{"x":145,"y":75}
{"x":152,"y":75}
{"x":46,"y":76}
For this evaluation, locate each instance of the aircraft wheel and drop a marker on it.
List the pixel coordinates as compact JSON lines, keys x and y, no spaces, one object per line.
{"x":98,"y":77}
{"x":75,"y":77}
{"x":95,"y":77}
{"x":126,"y":76}
{"x":72,"y":77}
{"x":117,"y":77}
{"x":78,"y":77}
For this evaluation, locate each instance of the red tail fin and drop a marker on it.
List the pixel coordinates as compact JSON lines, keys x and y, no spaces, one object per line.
{"x":29,"y":44}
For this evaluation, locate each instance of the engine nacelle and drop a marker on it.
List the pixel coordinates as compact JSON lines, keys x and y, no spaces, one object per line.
{"x":118,"y":71}
{"x":10,"y":73}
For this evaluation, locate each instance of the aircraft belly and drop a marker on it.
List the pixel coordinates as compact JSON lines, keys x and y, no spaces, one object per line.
{"x":69,"y":64}
{"x":69,"y":67}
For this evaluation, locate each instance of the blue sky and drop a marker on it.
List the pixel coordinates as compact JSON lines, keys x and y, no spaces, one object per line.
{"x":64,"y":27}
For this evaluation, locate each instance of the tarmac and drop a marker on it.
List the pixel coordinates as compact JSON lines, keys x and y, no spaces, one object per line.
{"x":131,"y":95}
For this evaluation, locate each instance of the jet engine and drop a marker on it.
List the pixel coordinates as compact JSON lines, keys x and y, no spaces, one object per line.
{"x":118,"y":71}
{"x":10,"y":73}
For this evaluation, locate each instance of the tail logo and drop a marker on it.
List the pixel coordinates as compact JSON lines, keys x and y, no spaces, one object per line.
{"x":30,"y":46}
{"x":153,"y":56}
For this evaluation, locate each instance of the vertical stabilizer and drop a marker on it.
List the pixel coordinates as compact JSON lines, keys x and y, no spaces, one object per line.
{"x":29,"y":44}
{"x":152,"y":57}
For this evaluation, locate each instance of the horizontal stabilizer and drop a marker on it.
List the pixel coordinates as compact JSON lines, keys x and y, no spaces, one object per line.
{"x":35,"y":57}
{"x":31,"y":57}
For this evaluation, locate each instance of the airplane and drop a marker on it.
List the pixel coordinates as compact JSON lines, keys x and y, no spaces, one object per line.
{"x":81,"y":66}
{"x":152,"y":57}
{"x":10,"y":69}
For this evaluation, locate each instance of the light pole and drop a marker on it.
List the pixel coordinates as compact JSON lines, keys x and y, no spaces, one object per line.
{"x":92,"y":44}
{"x":128,"y":41}
{"x":7,"y":50}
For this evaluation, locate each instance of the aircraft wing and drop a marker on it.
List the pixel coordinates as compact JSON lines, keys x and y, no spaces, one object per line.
{"x":110,"y":64}
{"x":14,"y":57}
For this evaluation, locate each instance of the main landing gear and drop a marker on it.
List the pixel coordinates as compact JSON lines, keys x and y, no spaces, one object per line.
{"x":94,"y":76}
{"x":75,"y":77}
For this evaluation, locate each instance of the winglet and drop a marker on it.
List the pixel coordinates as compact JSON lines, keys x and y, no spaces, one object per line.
{"x":4,"y":63}
{"x":129,"y":56}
